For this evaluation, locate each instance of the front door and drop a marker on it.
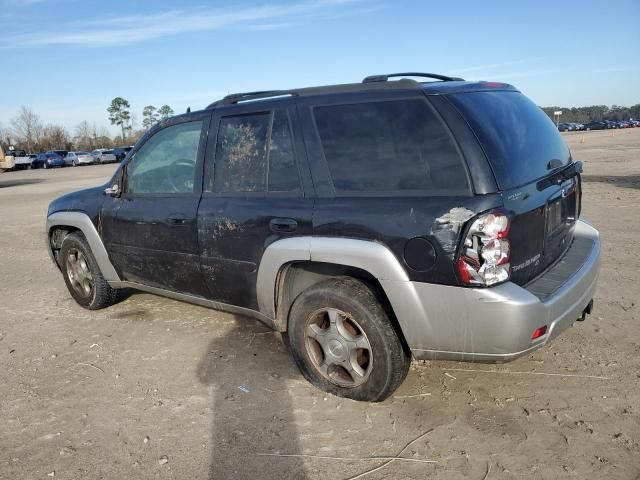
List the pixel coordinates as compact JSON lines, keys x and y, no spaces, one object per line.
{"x":256,"y":191}
{"x":151,"y":230}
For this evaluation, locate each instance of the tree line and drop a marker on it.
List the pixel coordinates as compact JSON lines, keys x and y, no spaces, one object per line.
{"x":27,"y":131}
{"x":595,"y":112}
{"x":120,"y":115}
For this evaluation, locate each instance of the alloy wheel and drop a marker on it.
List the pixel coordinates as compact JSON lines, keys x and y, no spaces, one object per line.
{"x":79,"y":273}
{"x":338,"y":347}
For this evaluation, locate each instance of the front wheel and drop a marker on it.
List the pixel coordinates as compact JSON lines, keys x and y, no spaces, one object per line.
{"x":344,"y":342}
{"x":82,"y":275}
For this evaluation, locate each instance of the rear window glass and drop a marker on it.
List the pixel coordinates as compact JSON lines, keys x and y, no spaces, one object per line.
{"x":518,"y":137}
{"x":389,"y":146}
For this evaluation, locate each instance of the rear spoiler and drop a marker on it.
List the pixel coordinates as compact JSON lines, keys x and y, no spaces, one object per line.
{"x":560,"y":176}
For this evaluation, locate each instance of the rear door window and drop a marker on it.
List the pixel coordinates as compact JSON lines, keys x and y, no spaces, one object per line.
{"x":254,"y":153}
{"x":389,"y":146}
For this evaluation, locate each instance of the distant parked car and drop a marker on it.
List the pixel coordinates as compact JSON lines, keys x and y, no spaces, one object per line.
{"x":565,"y":127}
{"x":48,"y":160}
{"x":578,"y":126}
{"x":596,"y":125}
{"x":121,"y":152}
{"x":62,"y":153}
{"x":79,"y":158}
{"x":103,"y":155}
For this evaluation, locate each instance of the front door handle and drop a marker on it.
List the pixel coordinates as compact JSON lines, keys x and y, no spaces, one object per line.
{"x":177,"y":219}
{"x":283,"y":225}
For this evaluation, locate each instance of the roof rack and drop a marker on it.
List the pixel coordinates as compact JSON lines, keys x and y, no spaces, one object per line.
{"x":241,"y":97}
{"x":374,"y":82}
{"x":384,"y":78}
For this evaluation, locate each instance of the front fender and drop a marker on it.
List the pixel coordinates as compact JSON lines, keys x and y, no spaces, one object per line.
{"x":82,"y":222}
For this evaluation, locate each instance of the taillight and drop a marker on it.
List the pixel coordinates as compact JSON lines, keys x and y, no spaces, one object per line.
{"x":484,"y":259}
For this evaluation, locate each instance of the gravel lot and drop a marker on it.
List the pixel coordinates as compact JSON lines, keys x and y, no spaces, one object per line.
{"x":154,"y":388}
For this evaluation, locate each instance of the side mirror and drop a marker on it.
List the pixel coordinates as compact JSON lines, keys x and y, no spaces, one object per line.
{"x":113,"y":191}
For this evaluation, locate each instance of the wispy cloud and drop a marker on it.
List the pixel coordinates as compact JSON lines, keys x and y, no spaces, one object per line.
{"x":138,"y":28}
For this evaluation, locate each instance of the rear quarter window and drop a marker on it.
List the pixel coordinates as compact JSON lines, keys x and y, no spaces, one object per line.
{"x":389,"y":146}
{"x":518,"y":138}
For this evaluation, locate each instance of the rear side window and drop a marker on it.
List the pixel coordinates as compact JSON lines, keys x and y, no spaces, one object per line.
{"x":518,"y":137}
{"x":389,"y":146}
{"x":254,"y":153}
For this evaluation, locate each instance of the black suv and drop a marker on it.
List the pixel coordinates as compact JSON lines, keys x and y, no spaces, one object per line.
{"x":367,"y":222}
{"x":121,"y":153}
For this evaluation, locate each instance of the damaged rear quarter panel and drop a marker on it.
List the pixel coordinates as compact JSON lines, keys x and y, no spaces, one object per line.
{"x":393,"y":221}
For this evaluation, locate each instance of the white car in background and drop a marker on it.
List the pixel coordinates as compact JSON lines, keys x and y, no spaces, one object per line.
{"x":14,"y":159}
{"x":103,"y":155}
{"x":79,"y":158}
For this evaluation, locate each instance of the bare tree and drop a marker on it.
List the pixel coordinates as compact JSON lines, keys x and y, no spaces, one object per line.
{"x":5,"y":136}
{"x":84,"y":136}
{"x":27,"y":127}
{"x":55,"y":137}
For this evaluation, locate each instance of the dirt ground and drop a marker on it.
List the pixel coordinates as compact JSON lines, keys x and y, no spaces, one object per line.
{"x":154,"y":388}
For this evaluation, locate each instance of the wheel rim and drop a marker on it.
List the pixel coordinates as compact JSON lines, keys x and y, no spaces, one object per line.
{"x":79,"y":273}
{"x":338,"y":347}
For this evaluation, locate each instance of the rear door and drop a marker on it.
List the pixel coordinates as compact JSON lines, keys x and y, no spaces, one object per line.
{"x":257,"y":190}
{"x":151,"y":230}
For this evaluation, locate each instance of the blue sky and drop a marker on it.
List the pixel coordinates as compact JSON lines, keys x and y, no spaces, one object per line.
{"x":69,"y":58}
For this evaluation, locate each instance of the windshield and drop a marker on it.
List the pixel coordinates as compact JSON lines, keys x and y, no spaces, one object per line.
{"x":518,"y":137}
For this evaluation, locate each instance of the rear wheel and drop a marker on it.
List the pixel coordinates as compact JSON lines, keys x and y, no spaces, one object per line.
{"x":82,"y":275}
{"x":344,"y":342}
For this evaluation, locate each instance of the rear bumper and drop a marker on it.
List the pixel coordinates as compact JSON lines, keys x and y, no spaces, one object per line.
{"x":496,"y":324}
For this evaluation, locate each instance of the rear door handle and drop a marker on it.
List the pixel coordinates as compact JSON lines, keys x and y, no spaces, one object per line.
{"x":177,"y":219}
{"x":283,"y":225}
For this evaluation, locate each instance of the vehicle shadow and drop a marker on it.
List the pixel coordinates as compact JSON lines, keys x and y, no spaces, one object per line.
{"x":625,"y":181}
{"x":19,"y":181}
{"x":248,"y":370}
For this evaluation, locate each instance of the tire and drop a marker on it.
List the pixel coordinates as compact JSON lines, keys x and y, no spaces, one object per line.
{"x":83,"y":272}
{"x":341,"y":312}
{"x":44,"y":165}
{"x":75,"y":164}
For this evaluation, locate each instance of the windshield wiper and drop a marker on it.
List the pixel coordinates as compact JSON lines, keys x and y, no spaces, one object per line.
{"x":560,"y":176}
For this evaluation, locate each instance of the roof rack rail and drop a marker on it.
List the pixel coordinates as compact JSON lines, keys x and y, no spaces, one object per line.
{"x":241,"y":97}
{"x":384,"y":78}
